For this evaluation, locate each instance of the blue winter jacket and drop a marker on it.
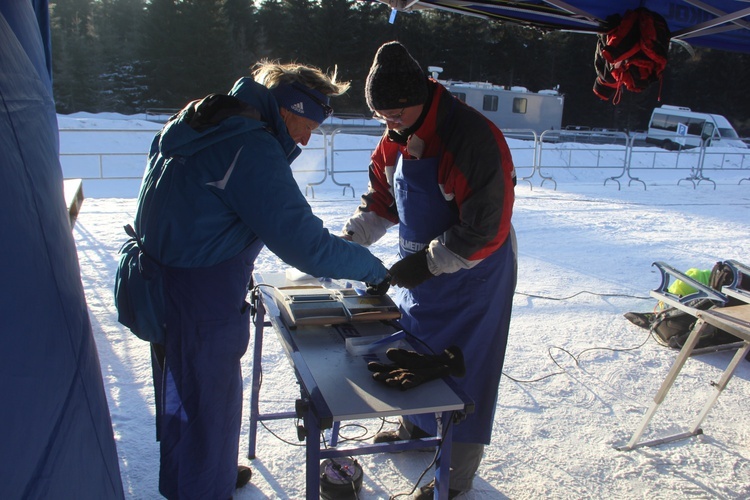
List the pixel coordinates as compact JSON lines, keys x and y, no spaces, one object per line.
{"x":210,"y":191}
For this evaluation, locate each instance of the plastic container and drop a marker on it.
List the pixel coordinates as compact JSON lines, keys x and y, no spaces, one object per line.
{"x":359,"y":346}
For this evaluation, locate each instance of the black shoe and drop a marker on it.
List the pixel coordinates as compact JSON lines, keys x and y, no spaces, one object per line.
{"x":390,"y":436}
{"x":427,"y":492}
{"x":386,"y":437}
{"x":640,"y":319}
{"x":244,"y":474}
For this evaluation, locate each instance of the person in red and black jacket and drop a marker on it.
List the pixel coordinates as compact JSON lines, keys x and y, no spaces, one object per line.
{"x":444,"y":174}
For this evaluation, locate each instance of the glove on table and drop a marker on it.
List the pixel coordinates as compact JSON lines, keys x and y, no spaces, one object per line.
{"x":411,"y":271}
{"x":410,"y":369}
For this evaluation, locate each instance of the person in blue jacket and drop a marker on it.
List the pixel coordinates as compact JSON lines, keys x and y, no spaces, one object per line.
{"x":443,"y":173}
{"x":218,"y":187}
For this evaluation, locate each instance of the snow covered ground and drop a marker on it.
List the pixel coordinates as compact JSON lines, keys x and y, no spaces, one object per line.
{"x":578,"y":376}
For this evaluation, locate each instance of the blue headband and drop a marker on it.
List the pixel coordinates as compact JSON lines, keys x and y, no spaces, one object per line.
{"x":303,"y":101}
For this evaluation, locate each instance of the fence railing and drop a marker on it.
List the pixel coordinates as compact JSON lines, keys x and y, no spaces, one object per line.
{"x":573,"y":149}
{"x":525,"y":153}
{"x":616,"y":155}
{"x":340,"y":151}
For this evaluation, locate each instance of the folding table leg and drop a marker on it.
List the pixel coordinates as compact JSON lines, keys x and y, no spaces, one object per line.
{"x":312,"y":466}
{"x":684,"y":354}
{"x":720,"y":385}
{"x":442,"y":470}
{"x":260,"y":312}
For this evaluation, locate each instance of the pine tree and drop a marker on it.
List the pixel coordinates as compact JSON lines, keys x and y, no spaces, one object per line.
{"x":118,"y":24}
{"x":76,"y":56}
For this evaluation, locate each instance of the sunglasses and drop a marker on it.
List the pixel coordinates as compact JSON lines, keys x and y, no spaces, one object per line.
{"x":327,"y":110}
{"x":397,"y":118}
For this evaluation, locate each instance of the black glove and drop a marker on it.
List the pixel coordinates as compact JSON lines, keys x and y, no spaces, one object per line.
{"x":410,"y":369}
{"x":411,"y":271}
{"x":381,"y":288}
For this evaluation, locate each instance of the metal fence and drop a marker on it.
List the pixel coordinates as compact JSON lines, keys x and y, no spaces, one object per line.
{"x":347,"y":157}
{"x":619,"y":157}
{"x":554,"y":155}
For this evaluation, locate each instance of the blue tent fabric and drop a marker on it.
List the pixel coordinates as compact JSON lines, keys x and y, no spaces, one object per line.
{"x":716,"y":24}
{"x":41,"y":9}
{"x":57,"y":433}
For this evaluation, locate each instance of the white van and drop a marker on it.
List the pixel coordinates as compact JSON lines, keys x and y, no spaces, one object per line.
{"x":677,"y":127}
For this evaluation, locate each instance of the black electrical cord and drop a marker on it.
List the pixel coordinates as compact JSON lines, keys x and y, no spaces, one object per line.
{"x":582,"y":292}
{"x":255,"y":290}
{"x":260,"y":383}
{"x":365,"y":436}
{"x":281,"y":438}
{"x":576,"y":358}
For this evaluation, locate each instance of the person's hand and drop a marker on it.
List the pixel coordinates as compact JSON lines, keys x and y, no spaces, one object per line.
{"x":410,"y":369}
{"x":411,"y":271}
{"x":372,"y":288}
{"x":381,"y":288}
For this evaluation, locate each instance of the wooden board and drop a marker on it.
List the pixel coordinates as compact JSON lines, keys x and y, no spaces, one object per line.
{"x":73,"y":192}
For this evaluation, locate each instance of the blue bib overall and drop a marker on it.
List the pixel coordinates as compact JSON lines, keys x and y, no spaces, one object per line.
{"x":470,"y":308}
{"x":207,"y":332}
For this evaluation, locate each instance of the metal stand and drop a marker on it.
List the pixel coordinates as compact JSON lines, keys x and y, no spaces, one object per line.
{"x":317,"y":414}
{"x":735,"y":320}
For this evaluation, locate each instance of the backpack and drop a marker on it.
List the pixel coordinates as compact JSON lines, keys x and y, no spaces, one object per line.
{"x":721,"y":276}
{"x":632,"y":53}
{"x":138,"y":292}
{"x":673,"y":326}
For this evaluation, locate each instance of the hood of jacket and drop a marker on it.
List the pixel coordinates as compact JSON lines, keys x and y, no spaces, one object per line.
{"x":203,"y":123}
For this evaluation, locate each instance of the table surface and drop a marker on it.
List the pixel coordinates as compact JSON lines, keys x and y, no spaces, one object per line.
{"x":734,"y":319}
{"x":342,"y":379}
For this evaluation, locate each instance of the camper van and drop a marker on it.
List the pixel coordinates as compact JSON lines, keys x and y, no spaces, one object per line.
{"x":677,"y":127}
{"x":509,"y":108}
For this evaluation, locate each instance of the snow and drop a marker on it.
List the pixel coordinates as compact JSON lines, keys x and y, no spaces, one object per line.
{"x":578,"y":376}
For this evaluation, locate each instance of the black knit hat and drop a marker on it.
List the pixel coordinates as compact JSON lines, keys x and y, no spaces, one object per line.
{"x":395,"y":79}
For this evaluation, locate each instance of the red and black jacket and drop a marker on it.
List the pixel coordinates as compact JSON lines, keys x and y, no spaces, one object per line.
{"x":475,"y":173}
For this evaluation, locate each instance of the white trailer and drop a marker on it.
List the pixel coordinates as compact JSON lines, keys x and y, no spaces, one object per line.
{"x":509,"y":108}
{"x":677,"y":127}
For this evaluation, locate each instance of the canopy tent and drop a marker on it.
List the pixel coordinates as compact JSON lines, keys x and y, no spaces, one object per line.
{"x":716,"y":24}
{"x":57,"y":432}
{"x":58,"y":435}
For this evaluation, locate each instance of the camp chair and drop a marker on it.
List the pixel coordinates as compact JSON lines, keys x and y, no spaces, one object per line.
{"x":735,"y":320}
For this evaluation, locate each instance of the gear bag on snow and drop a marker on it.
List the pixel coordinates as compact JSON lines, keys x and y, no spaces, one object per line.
{"x":673,"y":326}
